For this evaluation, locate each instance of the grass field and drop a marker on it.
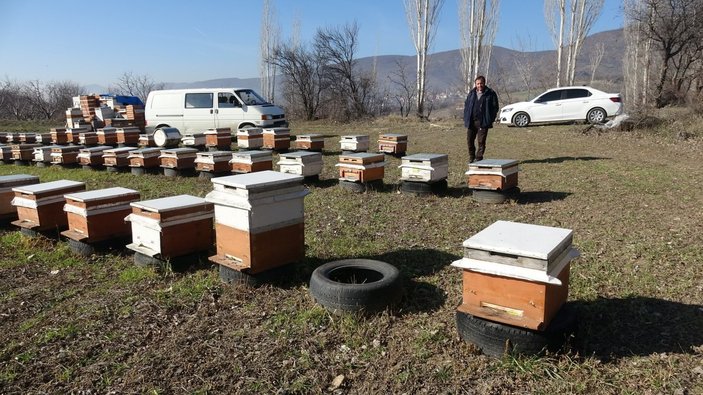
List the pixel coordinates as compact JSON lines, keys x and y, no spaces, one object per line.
{"x":103,"y":325}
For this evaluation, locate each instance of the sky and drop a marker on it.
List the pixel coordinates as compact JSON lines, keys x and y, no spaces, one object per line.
{"x":94,"y":42}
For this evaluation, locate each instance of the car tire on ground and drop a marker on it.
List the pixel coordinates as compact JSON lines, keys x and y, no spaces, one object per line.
{"x":356,"y":285}
{"x":495,"y":339}
{"x":357,"y":187}
{"x":489,"y":196}
{"x":521,"y":119}
{"x":81,"y":248}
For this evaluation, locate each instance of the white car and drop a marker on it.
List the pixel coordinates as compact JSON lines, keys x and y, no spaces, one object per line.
{"x":570,"y":103}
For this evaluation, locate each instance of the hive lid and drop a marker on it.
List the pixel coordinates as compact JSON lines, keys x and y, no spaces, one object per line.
{"x":216,"y":154}
{"x":179,"y":150}
{"x":355,"y":137}
{"x":426,"y":157}
{"x":361,"y":157}
{"x":527,"y":240}
{"x":48,"y":186}
{"x":310,"y":136}
{"x":169,"y":203}
{"x":120,"y":150}
{"x":101,"y":194}
{"x":260,"y":180}
{"x":143,"y":151}
{"x":18,"y":179}
{"x":98,"y":148}
{"x":302,"y":154}
{"x":251,"y":154}
{"x":494,"y":163}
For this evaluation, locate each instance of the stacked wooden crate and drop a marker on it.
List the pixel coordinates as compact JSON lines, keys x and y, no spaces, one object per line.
{"x":88,"y":105}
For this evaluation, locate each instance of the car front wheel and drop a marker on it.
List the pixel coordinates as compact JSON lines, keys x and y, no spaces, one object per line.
{"x":596,"y":115}
{"x":521,"y":119}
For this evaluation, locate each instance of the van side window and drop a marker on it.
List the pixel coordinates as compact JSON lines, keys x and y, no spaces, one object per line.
{"x":198,"y":100}
{"x":225,"y":99}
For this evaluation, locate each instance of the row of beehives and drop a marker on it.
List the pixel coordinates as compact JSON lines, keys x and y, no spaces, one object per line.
{"x":515,"y":274}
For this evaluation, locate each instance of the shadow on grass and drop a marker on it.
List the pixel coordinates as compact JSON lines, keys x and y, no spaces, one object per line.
{"x":561,"y":159}
{"x":615,"y":328}
{"x":540,"y":197}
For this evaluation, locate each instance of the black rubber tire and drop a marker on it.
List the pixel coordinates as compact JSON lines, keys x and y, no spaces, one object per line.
{"x":147,"y":261}
{"x":356,"y":187}
{"x":21,"y":163}
{"x":231,"y":276}
{"x":596,"y":115}
{"x":81,"y":248}
{"x":30,"y":232}
{"x":489,"y":196}
{"x":423,"y":188}
{"x":495,"y":339}
{"x":521,"y":119}
{"x":356,"y":285}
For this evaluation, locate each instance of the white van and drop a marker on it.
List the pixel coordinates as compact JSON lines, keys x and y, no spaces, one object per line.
{"x":197,"y":110}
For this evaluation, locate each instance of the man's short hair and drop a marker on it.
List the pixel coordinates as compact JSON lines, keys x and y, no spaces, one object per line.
{"x":482,"y":78}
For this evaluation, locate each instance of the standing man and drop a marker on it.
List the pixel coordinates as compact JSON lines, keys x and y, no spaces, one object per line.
{"x":480,"y":110}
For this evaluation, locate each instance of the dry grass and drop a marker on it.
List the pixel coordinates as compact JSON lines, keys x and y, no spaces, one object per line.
{"x":633,"y":200}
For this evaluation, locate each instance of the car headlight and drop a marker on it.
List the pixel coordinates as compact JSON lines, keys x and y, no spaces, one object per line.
{"x":507,"y":109}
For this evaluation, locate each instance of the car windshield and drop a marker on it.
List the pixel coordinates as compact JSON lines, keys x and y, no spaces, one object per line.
{"x":250,"y":98}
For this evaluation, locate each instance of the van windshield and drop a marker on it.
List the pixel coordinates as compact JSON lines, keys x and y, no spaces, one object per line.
{"x":250,"y":98}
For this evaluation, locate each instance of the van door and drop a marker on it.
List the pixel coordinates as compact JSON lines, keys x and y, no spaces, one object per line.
{"x":229,"y":112}
{"x":199,"y":113}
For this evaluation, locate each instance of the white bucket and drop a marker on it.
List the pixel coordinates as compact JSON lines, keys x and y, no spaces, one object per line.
{"x":167,"y":137}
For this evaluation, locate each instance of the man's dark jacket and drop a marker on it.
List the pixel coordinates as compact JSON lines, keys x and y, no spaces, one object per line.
{"x":489,"y":107}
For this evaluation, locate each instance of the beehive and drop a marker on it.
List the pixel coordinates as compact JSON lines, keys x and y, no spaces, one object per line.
{"x":98,"y":215}
{"x":516,"y":273}
{"x":27,"y":138}
{"x":250,"y":138}
{"x":361,"y":167}
{"x":493,"y":174}
{"x":424,"y":167}
{"x":144,"y":157}
{"x":213,"y":161}
{"x":117,"y":157}
{"x":302,"y":163}
{"x":107,"y":136}
{"x":193,"y":140}
{"x":253,"y":213}
{"x":42,"y":154}
{"x":5,"y":153}
{"x":354,"y":143}
{"x":23,"y":152}
{"x":393,"y":143}
{"x":59,"y":136}
{"x":251,"y":161}
{"x":219,"y":138}
{"x":88,"y":138}
{"x":146,"y":140}
{"x":178,"y":158}
{"x":12,"y":138}
{"x":7,"y":210}
{"x":171,"y":227}
{"x":40,"y":206}
{"x":310,"y":142}
{"x":92,"y":156}
{"x":65,"y":154}
{"x":128,"y":136}
{"x":277,"y":139}
{"x":43,"y":138}
{"x":73,"y":134}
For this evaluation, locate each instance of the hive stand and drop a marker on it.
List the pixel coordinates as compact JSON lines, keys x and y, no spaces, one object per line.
{"x":424,"y":173}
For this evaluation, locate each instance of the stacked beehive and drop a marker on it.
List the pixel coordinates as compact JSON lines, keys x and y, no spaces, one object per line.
{"x":393,"y":143}
{"x":492,"y":180}
{"x":135,"y":114}
{"x":88,"y":105}
{"x":74,"y":118}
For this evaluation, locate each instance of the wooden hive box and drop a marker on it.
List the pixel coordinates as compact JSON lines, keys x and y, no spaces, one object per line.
{"x":12,"y":138}
{"x":43,"y":138}
{"x":7,"y":210}
{"x":117,"y":157}
{"x":250,"y":138}
{"x":254,"y":212}
{"x":145,"y":157}
{"x":361,"y":167}
{"x":193,"y":140}
{"x":65,"y":154}
{"x":23,"y":152}
{"x":303,"y":163}
{"x":99,"y":215}
{"x":393,"y":143}
{"x":213,"y":161}
{"x":310,"y":142}
{"x":5,"y":153}
{"x":354,"y":142}
{"x":172,"y":226}
{"x":107,"y":136}
{"x":42,"y":154}
{"x":88,"y":138}
{"x":251,"y":161}
{"x":3,"y":138}
{"x":517,"y":274}
{"x":277,"y":139}
{"x":92,"y":156}
{"x":493,"y":174}
{"x":424,"y":167}
{"x":178,"y":158}
{"x":73,"y":135}
{"x":146,"y":140}
{"x":27,"y":138}
{"x":58,"y":136}
{"x":128,"y":135}
{"x":40,"y":206}
{"x":220,"y":138}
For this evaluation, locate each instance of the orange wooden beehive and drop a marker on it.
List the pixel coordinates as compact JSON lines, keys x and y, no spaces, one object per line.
{"x":40,"y":206}
{"x":65,"y":154}
{"x":493,"y":174}
{"x":107,"y":136}
{"x":58,"y":136}
{"x":144,"y":157}
{"x":213,"y":161}
{"x":393,"y":143}
{"x":251,"y":161}
{"x":92,"y":156}
{"x":178,"y":158}
{"x":117,"y":157}
{"x":7,"y":210}
{"x":219,"y":138}
{"x":23,"y":152}
{"x":277,"y":139}
{"x":516,"y":274}
{"x":361,"y":167}
{"x":310,"y":142}
{"x":98,"y":215}
{"x":128,"y":136}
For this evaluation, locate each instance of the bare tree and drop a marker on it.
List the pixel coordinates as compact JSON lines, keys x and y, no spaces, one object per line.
{"x":478,"y":26}
{"x":50,"y":100}
{"x":554,"y":15}
{"x":13,"y":101}
{"x":269,"y":41}
{"x":422,"y":18}
{"x":524,"y":62}
{"x":302,"y":77}
{"x":584,"y":13}
{"x":596,"y":58}
{"x":139,"y":85}
{"x":404,"y":94}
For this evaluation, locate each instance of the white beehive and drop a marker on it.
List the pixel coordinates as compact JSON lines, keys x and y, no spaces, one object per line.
{"x":193,"y":139}
{"x":304,"y":163}
{"x":213,"y":161}
{"x":42,"y":154}
{"x":251,"y":161}
{"x":424,"y":167}
{"x":354,"y":142}
{"x":250,"y":138}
